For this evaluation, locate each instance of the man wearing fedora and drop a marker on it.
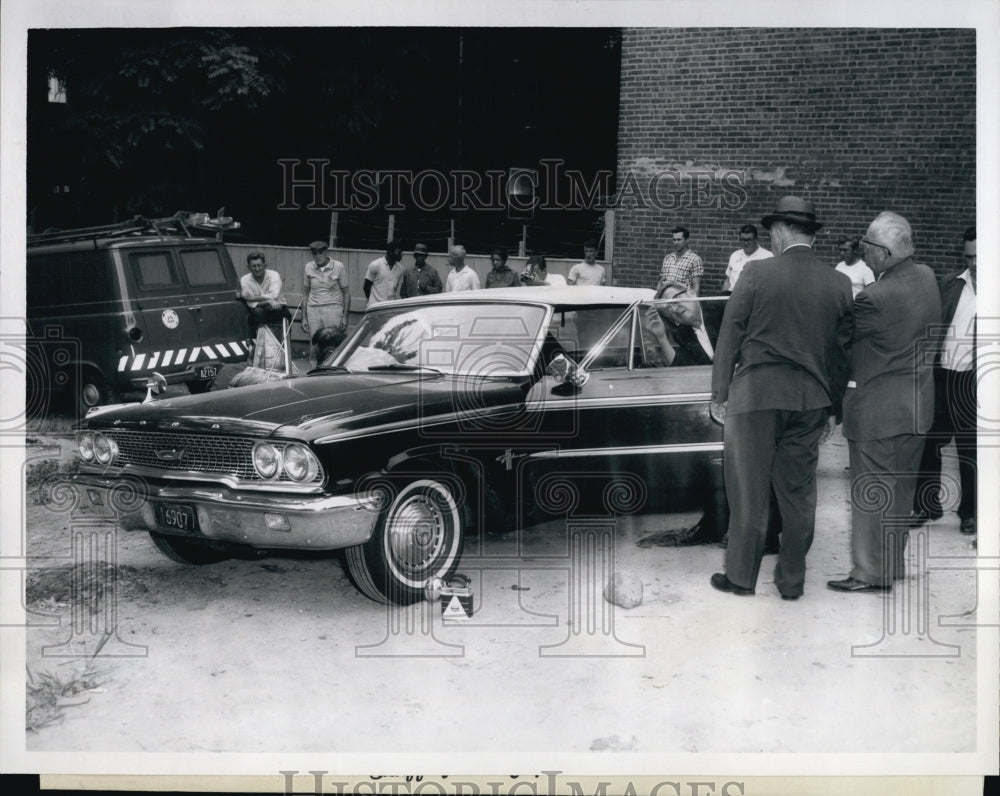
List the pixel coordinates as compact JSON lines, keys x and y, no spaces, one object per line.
{"x":778,"y":377}
{"x":420,"y":279}
{"x":889,"y":402}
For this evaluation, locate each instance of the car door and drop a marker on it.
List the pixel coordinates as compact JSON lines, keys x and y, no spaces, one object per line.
{"x":635,"y":423}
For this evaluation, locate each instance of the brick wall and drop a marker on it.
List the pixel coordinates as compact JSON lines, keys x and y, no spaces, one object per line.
{"x":716,"y":124}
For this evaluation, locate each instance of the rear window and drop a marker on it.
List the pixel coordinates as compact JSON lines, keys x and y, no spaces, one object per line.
{"x":66,"y":278}
{"x":203,"y":268}
{"x":154,"y":271}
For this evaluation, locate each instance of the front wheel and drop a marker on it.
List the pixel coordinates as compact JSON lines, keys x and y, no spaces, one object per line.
{"x":417,"y":537}
{"x":189,"y":551}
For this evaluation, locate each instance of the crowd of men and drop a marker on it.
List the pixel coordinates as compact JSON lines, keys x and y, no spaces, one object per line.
{"x":875,"y":344}
{"x":804,"y":347}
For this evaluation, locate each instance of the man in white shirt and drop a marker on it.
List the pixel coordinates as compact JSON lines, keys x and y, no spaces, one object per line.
{"x":749,"y":250}
{"x":383,"y":275}
{"x":955,"y":403}
{"x":588,"y":272}
{"x":537,"y":273}
{"x":461,"y":277}
{"x":261,"y":290}
{"x":851,"y":264}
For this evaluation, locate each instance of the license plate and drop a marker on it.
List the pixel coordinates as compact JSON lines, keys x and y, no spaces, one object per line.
{"x":174,"y":515}
{"x":208,"y":372}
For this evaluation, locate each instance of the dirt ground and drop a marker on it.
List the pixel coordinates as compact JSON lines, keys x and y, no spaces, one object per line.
{"x":284,"y":655}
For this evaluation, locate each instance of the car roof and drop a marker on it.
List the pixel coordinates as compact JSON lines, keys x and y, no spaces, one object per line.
{"x":588,"y":295}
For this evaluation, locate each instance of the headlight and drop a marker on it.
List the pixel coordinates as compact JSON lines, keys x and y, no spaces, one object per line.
{"x":266,"y":459}
{"x":299,"y":463}
{"x":85,"y":444}
{"x":105,"y":449}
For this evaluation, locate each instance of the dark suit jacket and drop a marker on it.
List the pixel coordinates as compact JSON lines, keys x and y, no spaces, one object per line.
{"x":785,"y":337}
{"x":687,"y":347}
{"x":951,"y":291}
{"x":896,"y":321}
{"x":951,"y":288}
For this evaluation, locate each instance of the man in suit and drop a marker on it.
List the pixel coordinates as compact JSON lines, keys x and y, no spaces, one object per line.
{"x":955,"y":404}
{"x":889,"y":403}
{"x":780,"y":370}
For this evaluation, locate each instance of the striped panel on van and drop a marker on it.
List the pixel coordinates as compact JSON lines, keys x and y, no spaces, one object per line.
{"x":179,"y":357}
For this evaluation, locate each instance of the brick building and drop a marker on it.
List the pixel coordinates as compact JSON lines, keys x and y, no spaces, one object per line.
{"x":716,"y":124}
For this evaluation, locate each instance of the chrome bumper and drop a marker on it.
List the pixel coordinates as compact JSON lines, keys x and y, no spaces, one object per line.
{"x":308,"y":522}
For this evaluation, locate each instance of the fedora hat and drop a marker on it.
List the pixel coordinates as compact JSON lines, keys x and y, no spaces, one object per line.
{"x":794,"y":209}
{"x":420,"y":248}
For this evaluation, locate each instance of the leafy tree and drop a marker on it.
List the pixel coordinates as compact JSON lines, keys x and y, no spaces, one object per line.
{"x":140,"y":106}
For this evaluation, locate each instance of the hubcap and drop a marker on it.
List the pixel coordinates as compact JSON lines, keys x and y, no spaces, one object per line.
{"x":91,"y":395}
{"x":417,"y":535}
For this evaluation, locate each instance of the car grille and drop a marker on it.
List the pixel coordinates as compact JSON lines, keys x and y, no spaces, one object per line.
{"x":203,"y":454}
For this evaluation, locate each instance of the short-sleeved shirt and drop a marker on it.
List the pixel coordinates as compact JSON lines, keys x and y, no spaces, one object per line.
{"x":681,"y":270}
{"x":583,"y":274}
{"x":326,"y":285}
{"x":556,"y":280}
{"x":384,"y":279}
{"x":740,"y":258}
{"x":466,"y":279}
{"x":504,"y":277}
{"x":419,"y":282}
{"x":255,"y":292}
{"x":860,"y":275}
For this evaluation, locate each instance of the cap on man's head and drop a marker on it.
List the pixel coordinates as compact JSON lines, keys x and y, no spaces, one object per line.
{"x":420,"y":248}
{"x":795,"y":210}
{"x":318,"y":246}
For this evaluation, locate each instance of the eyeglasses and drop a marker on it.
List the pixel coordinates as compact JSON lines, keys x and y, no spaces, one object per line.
{"x":866,"y":242}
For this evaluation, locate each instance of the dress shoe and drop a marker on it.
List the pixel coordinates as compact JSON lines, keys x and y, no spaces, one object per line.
{"x":968,"y":526}
{"x":790,"y":596}
{"x":722,"y":583}
{"x":851,"y":584}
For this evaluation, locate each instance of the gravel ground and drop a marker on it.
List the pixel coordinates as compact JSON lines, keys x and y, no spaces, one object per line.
{"x":283,"y":655}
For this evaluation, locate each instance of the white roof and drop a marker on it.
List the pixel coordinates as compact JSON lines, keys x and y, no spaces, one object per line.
{"x":582,"y":295}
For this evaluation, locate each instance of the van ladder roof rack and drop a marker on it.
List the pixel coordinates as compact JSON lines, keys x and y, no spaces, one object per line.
{"x":180,"y":224}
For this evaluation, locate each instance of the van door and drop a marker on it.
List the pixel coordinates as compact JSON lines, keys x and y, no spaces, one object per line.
{"x":221,"y":318}
{"x":169,"y":325}
{"x":191,"y":321}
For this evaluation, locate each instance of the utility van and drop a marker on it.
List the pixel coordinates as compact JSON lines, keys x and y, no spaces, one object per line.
{"x":107,"y":307}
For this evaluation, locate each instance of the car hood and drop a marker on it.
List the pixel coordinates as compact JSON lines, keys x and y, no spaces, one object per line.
{"x":318,"y":405}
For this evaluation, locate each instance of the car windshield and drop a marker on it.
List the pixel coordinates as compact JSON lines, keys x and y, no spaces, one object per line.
{"x":461,"y":339}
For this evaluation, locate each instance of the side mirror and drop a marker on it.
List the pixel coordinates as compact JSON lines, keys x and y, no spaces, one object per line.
{"x":569,"y":376}
{"x":155,"y":385}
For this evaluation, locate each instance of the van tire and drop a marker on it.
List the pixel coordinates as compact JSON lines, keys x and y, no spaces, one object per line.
{"x":92,"y":390}
{"x":198,"y":387}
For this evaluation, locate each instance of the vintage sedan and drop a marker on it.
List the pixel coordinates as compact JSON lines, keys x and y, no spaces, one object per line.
{"x":437,"y":417}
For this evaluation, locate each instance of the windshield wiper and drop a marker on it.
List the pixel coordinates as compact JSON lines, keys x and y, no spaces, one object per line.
{"x":401,"y":366}
{"x":327,"y":369}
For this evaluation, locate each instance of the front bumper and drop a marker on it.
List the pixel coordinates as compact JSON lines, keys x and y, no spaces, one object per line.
{"x":307,"y":522}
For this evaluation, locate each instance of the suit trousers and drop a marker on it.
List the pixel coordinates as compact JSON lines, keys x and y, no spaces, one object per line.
{"x":765,"y":449}
{"x":883,"y":480}
{"x":955,"y":408}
